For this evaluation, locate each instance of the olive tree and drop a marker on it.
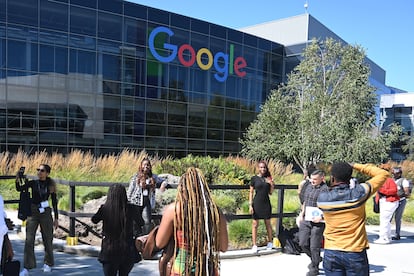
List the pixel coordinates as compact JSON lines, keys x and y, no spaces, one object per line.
{"x":325,"y":112}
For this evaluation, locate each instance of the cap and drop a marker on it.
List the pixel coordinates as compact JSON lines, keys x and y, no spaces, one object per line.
{"x":396,"y":170}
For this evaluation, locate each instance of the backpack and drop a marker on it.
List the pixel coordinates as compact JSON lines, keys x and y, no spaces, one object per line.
{"x":289,"y":241}
{"x":401,"y":192}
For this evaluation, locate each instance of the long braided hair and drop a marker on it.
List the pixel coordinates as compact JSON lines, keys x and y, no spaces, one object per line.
{"x":115,"y":218}
{"x":198,"y":219}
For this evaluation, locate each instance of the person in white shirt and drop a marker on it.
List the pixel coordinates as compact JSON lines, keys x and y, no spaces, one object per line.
{"x":403,"y":192}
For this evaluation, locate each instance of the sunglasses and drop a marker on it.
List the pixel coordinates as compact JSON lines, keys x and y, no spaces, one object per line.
{"x":41,"y":170}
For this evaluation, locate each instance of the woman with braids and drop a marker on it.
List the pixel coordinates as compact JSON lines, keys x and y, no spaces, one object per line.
{"x":141,"y":194}
{"x":118,"y":253}
{"x":198,"y":228}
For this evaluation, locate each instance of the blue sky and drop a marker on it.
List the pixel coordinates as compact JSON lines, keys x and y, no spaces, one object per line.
{"x":384,"y":28}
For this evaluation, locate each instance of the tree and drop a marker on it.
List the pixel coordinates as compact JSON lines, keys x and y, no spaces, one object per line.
{"x":324,"y":113}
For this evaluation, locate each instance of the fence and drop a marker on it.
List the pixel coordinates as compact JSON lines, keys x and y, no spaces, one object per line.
{"x":73,"y":215}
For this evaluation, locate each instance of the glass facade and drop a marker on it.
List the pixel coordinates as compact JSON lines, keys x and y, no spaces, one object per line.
{"x":104,"y":75}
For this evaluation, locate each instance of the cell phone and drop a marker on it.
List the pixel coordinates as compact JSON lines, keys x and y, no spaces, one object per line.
{"x":21,"y":171}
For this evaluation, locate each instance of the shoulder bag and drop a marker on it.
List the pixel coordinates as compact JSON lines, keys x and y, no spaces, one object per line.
{"x":146,"y":245}
{"x":24,"y":209}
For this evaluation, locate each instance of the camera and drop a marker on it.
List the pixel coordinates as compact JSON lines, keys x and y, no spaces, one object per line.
{"x":21,"y":172}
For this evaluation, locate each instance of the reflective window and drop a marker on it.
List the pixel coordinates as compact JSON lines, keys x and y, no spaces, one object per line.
{"x":180,"y":21}
{"x":2,"y":10}
{"x":85,"y":3}
{"x":156,"y":112}
{"x":2,"y":53}
{"x":82,"y":21}
{"x":177,"y":114}
{"x":199,"y":26}
{"x":23,"y":12}
{"x":53,"y":15}
{"x":109,"y":26}
{"x":22,"y":33}
{"x":109,"y":67}
{"x":180,"y":132}
{"x":218,"y":31}
{"x":232,"y":119}
{"x":22,"y":55}
{"x":135,"y":31}
{"x":53,"y":59}
{"x":51,"y":37}
{"x":82,"y":42}
{"x":82,"y":62}
{"x":215,"y":117}
{"x":199,"y":133}
{"x":158,"y":16}
{"x":135,"y":10}
{"x":114,"y":6}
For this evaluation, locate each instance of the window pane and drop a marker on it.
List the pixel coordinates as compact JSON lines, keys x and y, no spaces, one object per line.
{"x":82,"y":62}
{"x":53,"y":15}
{"x":2,"y":53}
{"x":82,"y":21}
{"x":23,"y":12}
{"x":109,"y":26}
{"x":110,"y":67}
{"x":22,"y":55}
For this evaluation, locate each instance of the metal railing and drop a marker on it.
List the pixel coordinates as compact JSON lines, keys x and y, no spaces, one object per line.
{"x":73,"y":215}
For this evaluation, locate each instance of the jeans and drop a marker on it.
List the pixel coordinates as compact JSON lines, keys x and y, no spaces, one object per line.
{"x":46,"y":228}
{"x":398,"y":216}
{"x":342,"y":263}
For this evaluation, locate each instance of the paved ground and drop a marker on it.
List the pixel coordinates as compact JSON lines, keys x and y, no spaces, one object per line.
{"x":393,"y":259}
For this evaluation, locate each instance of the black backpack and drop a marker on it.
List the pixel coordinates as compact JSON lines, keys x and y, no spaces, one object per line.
{"x":289,"y":240}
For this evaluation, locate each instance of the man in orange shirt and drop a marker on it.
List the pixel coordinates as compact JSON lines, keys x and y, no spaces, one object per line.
{"x":343,"y":208}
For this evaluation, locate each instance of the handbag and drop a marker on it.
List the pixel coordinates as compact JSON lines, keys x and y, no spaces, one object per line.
{"x":11,"y":268}
{"x":8,"y":267}
{"x":24,"y":209}
{"x":376,"y":206}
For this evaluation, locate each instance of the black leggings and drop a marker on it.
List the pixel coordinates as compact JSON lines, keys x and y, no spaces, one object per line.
{"x":112,"y":269}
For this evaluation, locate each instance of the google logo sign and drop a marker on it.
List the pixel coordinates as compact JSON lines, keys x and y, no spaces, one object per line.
{"x":224,"y":64}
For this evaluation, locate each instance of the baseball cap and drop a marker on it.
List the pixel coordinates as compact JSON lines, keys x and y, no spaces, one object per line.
{"x":396,"y":170}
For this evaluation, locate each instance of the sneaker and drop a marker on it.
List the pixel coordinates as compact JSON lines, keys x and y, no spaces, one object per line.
{"x":382,"y":241}
{"x":254,"y":249}
{"x":269,"y":246}
{"x":47,"y":268}
{"x":24,"y":272}
{"x":396,"y":238}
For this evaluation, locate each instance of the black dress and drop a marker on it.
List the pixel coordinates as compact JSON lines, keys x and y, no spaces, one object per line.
{"x":261,"y":201}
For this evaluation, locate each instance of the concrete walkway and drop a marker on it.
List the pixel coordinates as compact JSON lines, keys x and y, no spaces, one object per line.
{"x":392,"y":259}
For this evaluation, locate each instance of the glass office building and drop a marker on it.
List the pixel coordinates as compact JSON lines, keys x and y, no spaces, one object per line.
{"x":104,"y":75}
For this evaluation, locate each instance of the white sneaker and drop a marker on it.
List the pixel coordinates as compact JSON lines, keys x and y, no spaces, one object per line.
{"x":269,"y":246}
{"x":24,"y":272}
{"x":382,"y":241}
{"x":254,"y":249}
{"x":47,"y":268}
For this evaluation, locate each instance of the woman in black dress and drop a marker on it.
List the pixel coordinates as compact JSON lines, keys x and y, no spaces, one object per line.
{"x":260,"y":207}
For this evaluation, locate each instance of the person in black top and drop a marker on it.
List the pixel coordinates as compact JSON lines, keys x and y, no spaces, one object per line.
{"x":259,"y":205}
{"x":41,"y":214}
{"x":118,"y":253}
{"x":311,"y":225}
